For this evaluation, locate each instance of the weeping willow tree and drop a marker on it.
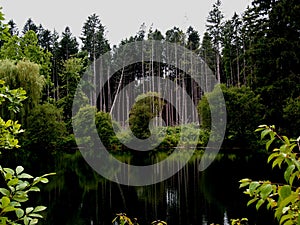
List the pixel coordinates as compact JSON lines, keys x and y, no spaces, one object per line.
{"x":23,"y":74}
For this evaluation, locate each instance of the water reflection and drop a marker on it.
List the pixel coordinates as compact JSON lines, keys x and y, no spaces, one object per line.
{"x":78,"y":195}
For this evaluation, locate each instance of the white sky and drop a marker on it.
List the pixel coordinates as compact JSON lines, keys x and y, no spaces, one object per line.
{"x":121,"y":18}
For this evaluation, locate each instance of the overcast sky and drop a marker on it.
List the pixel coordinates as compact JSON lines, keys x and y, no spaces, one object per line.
{"x":121,"y":18}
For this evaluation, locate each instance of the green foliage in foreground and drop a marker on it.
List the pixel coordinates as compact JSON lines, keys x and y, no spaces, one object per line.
{"x":243,"y":221}
{"x":282,"y":198}
{"x":123,"y":219}
{"x":9,"y":129}
{"x":16,"y":183}
{"x":18,"y":186}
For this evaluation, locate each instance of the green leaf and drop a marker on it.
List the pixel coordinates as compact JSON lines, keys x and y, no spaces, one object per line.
{"x":266,"y":190}
{"x":253,"y":185}
{"x":19,"y":213}
{"x":283,"y":203}
{"x":9,"y":170}
{"x":244,"y":184}
{"x":286,"y":140}
{"x":4,"y":191}
{"x":22,"y":186}
{"x":278,"y":162}
{"x":39,"y":208}
{"x":20,"y":199}
{"x":26,"y":220}
{"x":34,"y":189}
{"x":44,"y":180}
{"x":19,"y":170}
{"x":252,"y":201}
{"x":25,"y":176}
{"x":5,"y":201}
{"x":15,"y":204}
{"x":259,"y":203}
{"x":285,"y":217}
{"x":264,"y":133}
{"x":269,"y":143}
{"x":29,"y":210}
{"x":288,"y":172}
{"x":35,"y":215}
{"x":272,"y":156}
{"x":245,"y":180}
{"x":33,"y":221}
{"x":285,"y":191}
{"x":13,"y":182}
{"x":3,"y":220}
{"x":9,"y":209}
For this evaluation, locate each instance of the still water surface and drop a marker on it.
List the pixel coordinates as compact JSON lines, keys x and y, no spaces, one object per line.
{"x":79,"y":196}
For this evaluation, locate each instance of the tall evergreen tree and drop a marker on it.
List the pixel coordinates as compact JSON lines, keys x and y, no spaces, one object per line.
{"x":30,"y":25}
{"x":275,"y":53}
{"x":93,"y":37}
{"x":193,"y":39}
{"x":44,"y":38}
{"x":68,"y":45}
{"x":95,"y":43}
{"x":214,"y":28}
{"x":13,"y":30}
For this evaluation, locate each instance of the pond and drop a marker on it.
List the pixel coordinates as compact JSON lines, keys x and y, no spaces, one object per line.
{"x":78,"y":195}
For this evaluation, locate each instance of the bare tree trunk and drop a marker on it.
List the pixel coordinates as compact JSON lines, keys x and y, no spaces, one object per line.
{"x":117,"y":92}
{"x":218,"y":67}
{"x":238,"y":66}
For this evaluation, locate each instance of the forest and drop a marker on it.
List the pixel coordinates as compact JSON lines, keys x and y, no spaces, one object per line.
{"x":254,"y":56}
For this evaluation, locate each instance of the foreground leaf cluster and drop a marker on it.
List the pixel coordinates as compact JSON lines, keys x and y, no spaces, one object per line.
{"x":16,"y":183}
{"x":283,"y":198}
{"x":19,"y":184}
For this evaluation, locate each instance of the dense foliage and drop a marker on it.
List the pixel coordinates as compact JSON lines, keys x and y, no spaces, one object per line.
{"x":283,"y":198}
{"x":244,"y":107}
{"x":15,"y":184}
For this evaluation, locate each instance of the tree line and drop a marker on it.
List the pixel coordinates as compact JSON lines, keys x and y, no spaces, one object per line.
{"x":255,"y":56}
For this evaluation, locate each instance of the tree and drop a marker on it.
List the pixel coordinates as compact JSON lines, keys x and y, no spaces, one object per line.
{"x":283,"y":198}
{"x":45,"y":128}
{"x":23,"y":74}
{"x":93,"y":37}
{"x":26,"y":47}
{"x":104,"y":125}
{"x":232,"y":47}
{"x":207,"y":53}
{"x":243,"y":107}
{"x":147,"y":107}
{"x":45,"y":38}
{"x":68,"y":45}
{"x":193,"y":40}
{"x":13,"y":30}
{"x":95,"y":43}
{"x":274,"y":53}
{"x":214,"y":28}
{"x":70,"y":77}
{"x":30,"y":25}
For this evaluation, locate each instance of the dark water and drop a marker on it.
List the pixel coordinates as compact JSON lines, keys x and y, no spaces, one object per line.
{"x":77,"y":195}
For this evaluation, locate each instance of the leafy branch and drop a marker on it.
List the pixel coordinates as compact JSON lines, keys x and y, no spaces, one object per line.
{"x":284,"y":199}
